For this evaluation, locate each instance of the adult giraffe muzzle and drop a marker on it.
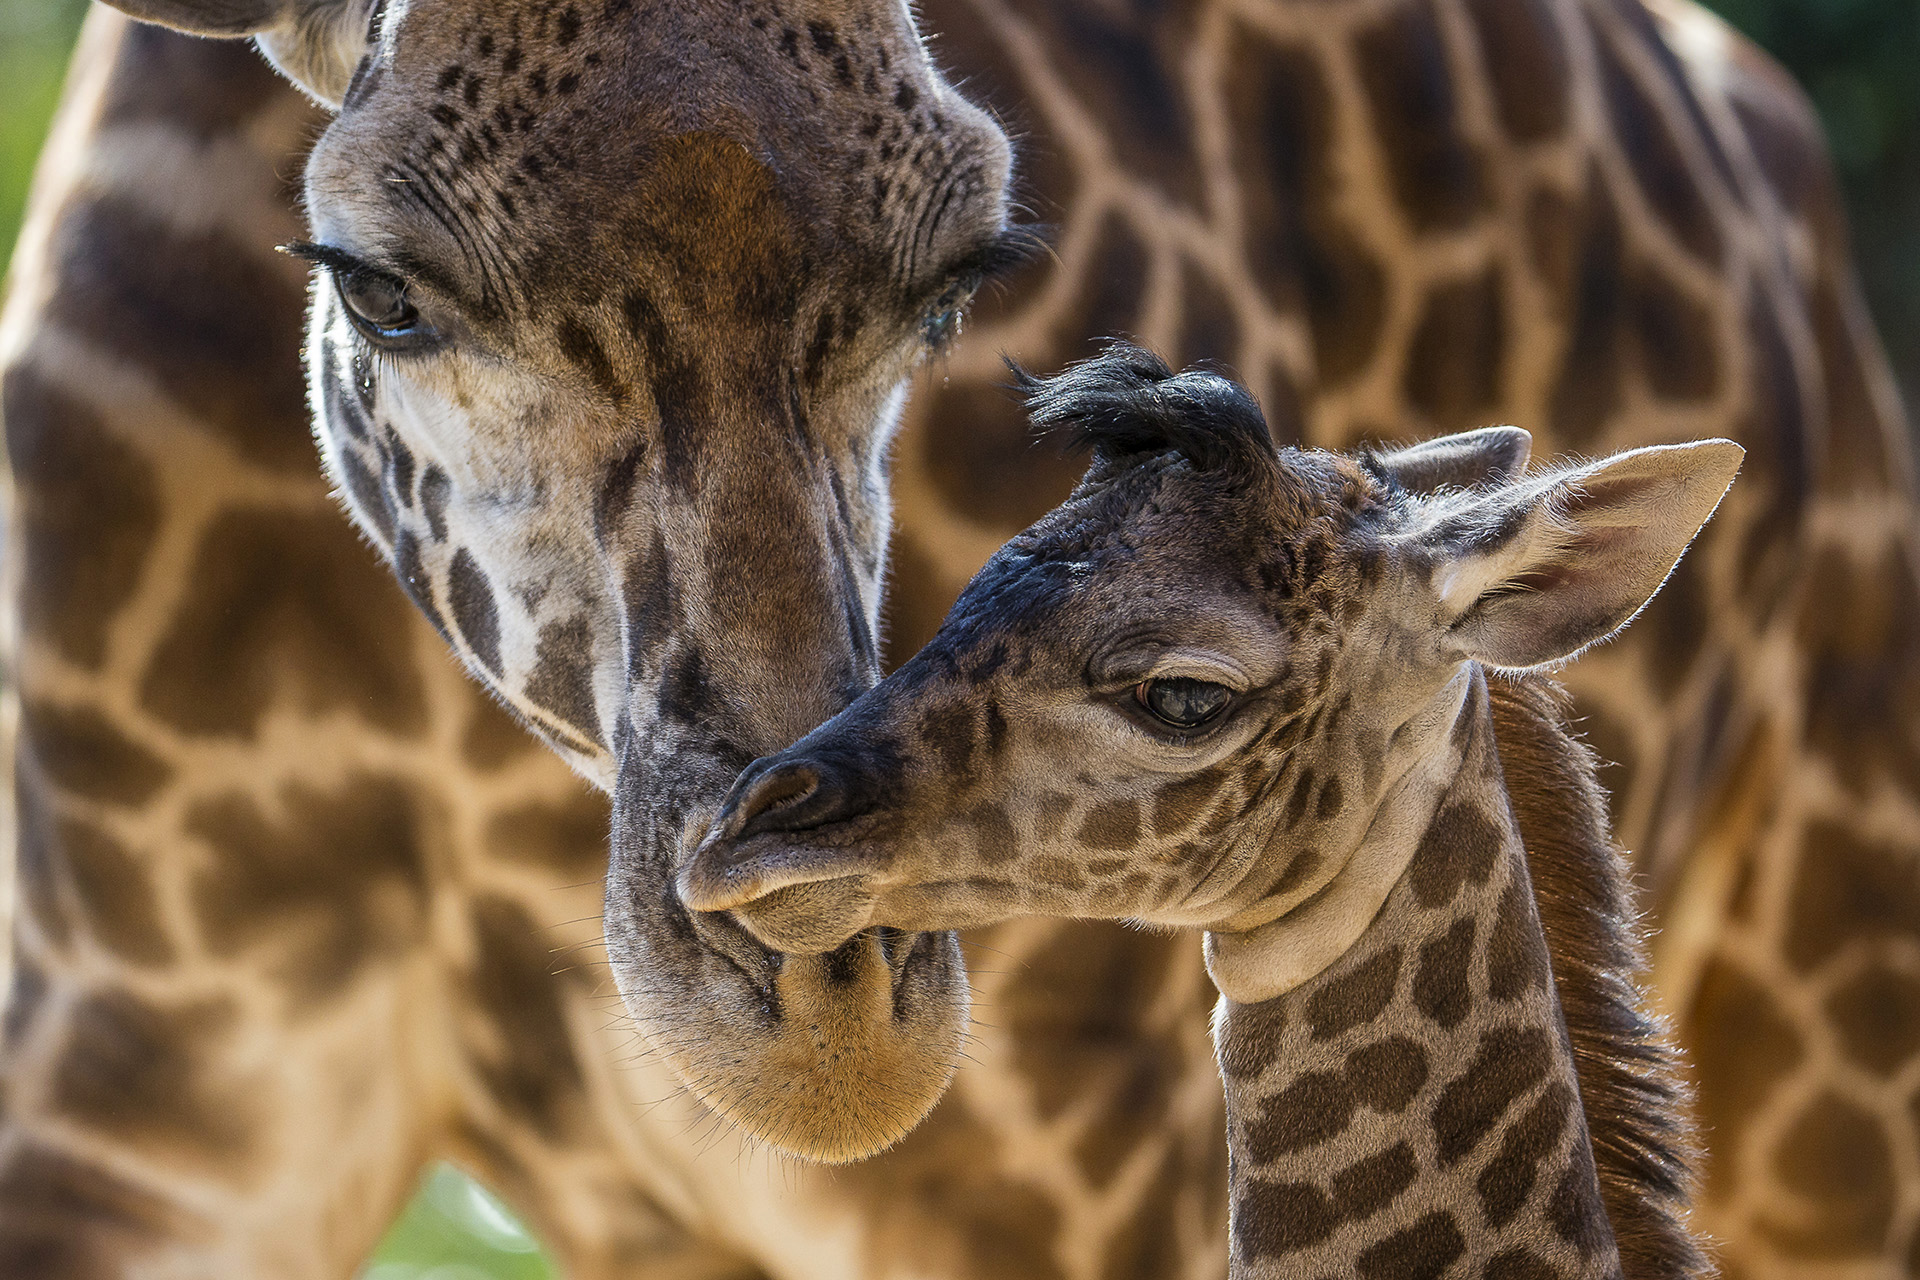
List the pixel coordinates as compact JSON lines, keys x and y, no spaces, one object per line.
{"x":608,"y":372}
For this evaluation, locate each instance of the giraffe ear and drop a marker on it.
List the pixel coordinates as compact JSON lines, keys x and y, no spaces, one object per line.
{"x":315,"y":43}
{"x":1465,"y":460}
{"x":1537,"y":570}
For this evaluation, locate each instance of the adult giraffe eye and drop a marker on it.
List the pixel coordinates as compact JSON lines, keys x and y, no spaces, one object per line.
{"x":377,"y":303}
{"x":1182,"y":702}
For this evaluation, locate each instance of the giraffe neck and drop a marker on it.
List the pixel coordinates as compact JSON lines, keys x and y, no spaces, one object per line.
{"x":1417,"y":1103}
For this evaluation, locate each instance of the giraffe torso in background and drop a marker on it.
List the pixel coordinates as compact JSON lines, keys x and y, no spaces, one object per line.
{"x":292,"y":889}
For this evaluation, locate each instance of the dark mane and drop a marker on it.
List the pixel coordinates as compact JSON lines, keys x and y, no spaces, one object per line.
{"x":1126,"y":402}
{"x":1630,"y":1085}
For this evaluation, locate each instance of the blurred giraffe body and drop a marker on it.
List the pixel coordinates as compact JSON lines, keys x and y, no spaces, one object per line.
{"x":1225,"y":688}
{"x":291,"y":892}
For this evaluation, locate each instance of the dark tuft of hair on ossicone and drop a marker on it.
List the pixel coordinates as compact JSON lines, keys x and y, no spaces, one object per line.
{"x":1127,"y":402}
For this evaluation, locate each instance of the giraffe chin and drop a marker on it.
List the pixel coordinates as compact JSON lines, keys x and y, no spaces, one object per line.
{"x":826,"y":1048}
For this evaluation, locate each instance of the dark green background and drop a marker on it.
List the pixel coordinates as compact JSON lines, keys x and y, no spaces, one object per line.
{"x":1859,"y":59}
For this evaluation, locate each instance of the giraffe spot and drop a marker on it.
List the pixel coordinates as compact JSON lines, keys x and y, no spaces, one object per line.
{"x":1847,"y":890}
{"x":1859,"y":629}
{"x":1580,"y":257}
{"x":1388,"y":1075}
{"x":569,"y":838}
{"x":1519,"y":1263}
{"x":1857,"y":439}
{"x":1056,"y":873}
{"x":1459,"y":846}
{"x":1422,"y":1251}
{"x":995,"y":842}
{"x":1179,"y":804}
{"x":475,"y":615}
{"x":214,"y":322}
{"x":1456,"y":359}
{"x":1302,"y":864}
{"x":1660,"y":169}
{"x":436,"y":490}
{"x":26,"y":994}
{"x":1146,"y":1245}
{"x":1776,"y":434}
{"x":113,"y":897}
{"x":1526,"y":65}
{"x":83,"y":753}
{"x":1299,"y":797}
{"x":1356,"y":997}
{"x":1251,"y":1037}
{"x":1083,"y":1004}
{"x":1742,"y":1047}
{"x":283,"y":607}
{"x":1330,"y":800}
{"x":942,"y":1203}
{"x":412,"y":574}
{"x":1440,"y":983}
{"x":1113,"y":824}
{"x":1273,"y":1219}
{"x":1209,"y":330}
{"x":1508,"y":1178}
{"x":88,"y":511}
{"x":1575,"y":1209}
{"x":1051,"y":812}
{"x":69,"y":1220}
{"x":1367,"y":1186}
{"x":1112,"y":288}
{"x":1836,"y":1159}
{"x":1517,"y":948}
{"x":1509,"y":1061}
{"x":1134,"y":1103}
{"x":1315,"y":1107}
{"x":1877,"y":1014}
{"x":1301,"y":253}
{"x":1124,"y":63}
{"x":400,"y":469}
{"x":526,"y":1057}
{"x":149,"y":1075}
{"x":971,"y":430}
{"x":1674,"y":338}
{"x":491,"y":737}
{"x":366,"y":498}
{"x":38,"y":871}
{"x":562,"y":675}
{"x":1438,"y":176}
{"x":329,"y":880}
{"x":200,"y":87}
{"x":687,"y":694}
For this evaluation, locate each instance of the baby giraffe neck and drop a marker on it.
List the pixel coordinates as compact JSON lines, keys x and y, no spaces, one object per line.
{"x":1414,"y":1109}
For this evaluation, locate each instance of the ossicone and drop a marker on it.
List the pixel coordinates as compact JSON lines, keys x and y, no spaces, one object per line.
{"x":1127,"y":402}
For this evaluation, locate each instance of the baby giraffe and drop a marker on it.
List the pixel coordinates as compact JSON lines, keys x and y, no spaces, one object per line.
{"x":1244,"y":690}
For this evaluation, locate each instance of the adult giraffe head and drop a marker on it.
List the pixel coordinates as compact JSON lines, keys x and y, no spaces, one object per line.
{"x":614,"y":311}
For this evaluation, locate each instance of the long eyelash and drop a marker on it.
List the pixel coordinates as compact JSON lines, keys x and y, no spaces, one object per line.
{"x":1011,"y":249}
{"x":322,"y":255}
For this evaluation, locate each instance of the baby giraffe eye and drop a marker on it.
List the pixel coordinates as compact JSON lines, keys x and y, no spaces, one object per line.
{"x":1182,"y":702}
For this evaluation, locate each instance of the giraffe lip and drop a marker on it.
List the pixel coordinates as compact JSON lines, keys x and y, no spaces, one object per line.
{"x":727,"y":873}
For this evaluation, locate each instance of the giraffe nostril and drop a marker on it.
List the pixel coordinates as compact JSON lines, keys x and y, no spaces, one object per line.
{"x":774,"y":795}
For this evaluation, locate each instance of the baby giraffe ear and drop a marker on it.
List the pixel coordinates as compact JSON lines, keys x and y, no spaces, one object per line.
{"x":1461,"y":461}
{"x":1537,"y":570}
{"x":315,"y":43}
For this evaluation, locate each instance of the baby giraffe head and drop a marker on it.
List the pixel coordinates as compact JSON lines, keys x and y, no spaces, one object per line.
{"x":1208,"y":690}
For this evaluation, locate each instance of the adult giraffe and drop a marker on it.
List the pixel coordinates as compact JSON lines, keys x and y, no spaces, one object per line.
{"x":259,"y":820}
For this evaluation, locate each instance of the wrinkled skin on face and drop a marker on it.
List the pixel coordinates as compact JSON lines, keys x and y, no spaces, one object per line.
{"x":1213,"y":689}
{"x":613,"y":312}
